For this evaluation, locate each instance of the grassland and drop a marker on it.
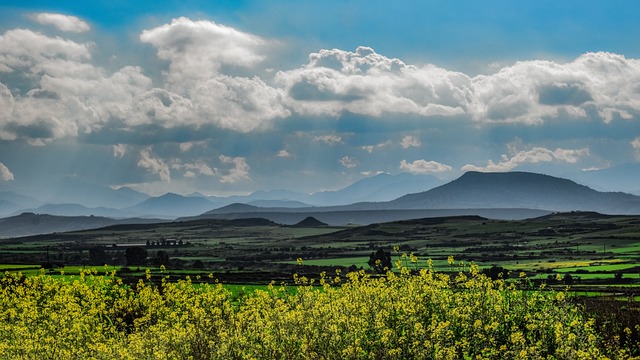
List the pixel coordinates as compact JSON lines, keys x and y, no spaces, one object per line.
{"x":587,"y":249}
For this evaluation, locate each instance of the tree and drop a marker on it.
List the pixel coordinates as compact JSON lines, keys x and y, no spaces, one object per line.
{"x":495,"y":272}
{"x":136,"y":256}
{"x":162,"y":258}
{"x":567,"y":279}
{"x":98,"y":256}
{"x":380,"y":261}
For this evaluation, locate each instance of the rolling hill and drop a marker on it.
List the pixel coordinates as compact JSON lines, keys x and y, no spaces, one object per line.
{"x":27,"y":224}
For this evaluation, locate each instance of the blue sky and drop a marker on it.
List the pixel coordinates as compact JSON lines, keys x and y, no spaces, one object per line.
{"x":226,"y":97}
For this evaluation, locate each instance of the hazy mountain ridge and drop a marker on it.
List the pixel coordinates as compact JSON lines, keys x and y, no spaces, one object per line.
{"x":171,"y":206}
{"x":74,"y":197}
{"x":519,"y":190}
{"x":511,"y":195}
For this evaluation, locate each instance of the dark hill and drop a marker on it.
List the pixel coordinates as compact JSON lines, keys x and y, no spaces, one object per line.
{"x":310,"y":222}
{"x":234,"y":208}
{"x":251,"y":222}
{"x":28,"y":223}
{"x":475,"y":190}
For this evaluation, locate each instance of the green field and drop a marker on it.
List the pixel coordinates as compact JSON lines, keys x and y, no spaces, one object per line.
{"x":593,"y":249}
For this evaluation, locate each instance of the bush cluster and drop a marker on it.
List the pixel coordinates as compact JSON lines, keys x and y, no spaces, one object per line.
{"x":400,"y":315}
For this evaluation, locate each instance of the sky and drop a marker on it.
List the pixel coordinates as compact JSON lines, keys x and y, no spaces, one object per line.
{"x":231,"y":97}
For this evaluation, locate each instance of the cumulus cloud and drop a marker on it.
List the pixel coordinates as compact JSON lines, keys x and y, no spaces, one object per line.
{"x":61,"y":93}
{"x":5,"y":173}
{"x":422,"y":166}
{"x":239,"y":171}
{"x":31,"y":52}
{"x":62,"y":22}
{"x":349,"y":162}
{"x":636,"y":146}
{"x":197,"y":49}
{"x":533,"y":156}
{"x":410,"y":141}
{"x":335,"y":81}
{"x":154,"y":165}
{"x":364,"y":82}
{"x":198,"y":52}
{"x":530,"y":91}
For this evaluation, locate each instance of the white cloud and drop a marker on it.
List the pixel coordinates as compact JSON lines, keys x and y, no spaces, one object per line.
{"x":154,"y":165}
{"x":62,"y":22}
{"x":187,"y":146}
{"x":239,"y":171}
{"x":636,"y":146}
{"x":410,"y":141}
{"x":5,"y":173}
{"x":283,"y":154}
{"x":364,"y":82}
{"x":533,"y":156}
{"x":371,"y":148}
{"x":349,"y":162}
{"x":191,"y":169}
{"x":198,"y":53}
{"x":422,"y":166}
{"x":25,"y":50}
{"x":119,"y":150}
{"x":65,"y":94}
{"x":198,"y":49}
{"x":329,"y":139}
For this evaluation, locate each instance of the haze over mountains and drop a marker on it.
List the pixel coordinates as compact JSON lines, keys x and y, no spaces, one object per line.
{"x":77,"y":198}
{"x":512,"y":195}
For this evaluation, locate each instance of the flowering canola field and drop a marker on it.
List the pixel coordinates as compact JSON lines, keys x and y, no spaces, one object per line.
{"x":403,"y":315}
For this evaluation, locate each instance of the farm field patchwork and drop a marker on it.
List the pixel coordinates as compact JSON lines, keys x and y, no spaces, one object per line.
{"x":561,"y":253}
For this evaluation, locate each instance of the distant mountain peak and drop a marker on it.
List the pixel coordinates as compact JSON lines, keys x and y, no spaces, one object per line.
{"x":517,"y":189}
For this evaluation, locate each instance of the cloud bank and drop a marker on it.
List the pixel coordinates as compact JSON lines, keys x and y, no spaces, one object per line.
{"x":208,"y":101}
{"x":64,"y":93}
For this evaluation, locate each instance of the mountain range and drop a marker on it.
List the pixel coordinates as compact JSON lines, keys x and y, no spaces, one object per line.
{"x":74,"y":197}
{"x":510,"y":195}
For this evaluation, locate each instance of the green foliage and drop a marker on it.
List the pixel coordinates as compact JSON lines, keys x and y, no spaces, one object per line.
{"x":424,"y":315}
